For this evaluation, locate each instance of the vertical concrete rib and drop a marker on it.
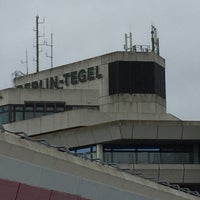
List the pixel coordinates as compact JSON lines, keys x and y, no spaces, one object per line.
{"x":183,"y":181}
{"x":132,"y":135}
{"x":157,"y":130}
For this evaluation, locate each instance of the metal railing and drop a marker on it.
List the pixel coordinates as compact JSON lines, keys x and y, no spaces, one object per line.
{"x":141,"y":48}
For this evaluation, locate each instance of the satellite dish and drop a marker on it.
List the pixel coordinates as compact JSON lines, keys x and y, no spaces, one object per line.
{"x":17,"y":73}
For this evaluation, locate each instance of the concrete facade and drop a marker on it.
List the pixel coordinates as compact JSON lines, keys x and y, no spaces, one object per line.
{"x":131,"y":130}
{"x":115,"y":103}
{"x":70,"y":97}
{"x":34,"y":164}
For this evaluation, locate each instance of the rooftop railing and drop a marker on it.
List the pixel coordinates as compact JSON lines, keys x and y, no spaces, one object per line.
{"x":142,"y":48}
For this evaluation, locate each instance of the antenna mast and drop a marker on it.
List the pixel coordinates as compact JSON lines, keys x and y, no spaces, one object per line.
{"x":154,"y":40}
{"x":50,"y":45}
{"x":26,"y":62}
{"x":128,"y":46}
{"x":37,"y":41}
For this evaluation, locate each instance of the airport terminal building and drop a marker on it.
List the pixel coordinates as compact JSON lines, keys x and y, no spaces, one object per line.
{"x":109,"y":112}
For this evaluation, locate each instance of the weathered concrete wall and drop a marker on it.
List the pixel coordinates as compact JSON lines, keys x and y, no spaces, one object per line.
{"x":132,"y":130}
{"x":71,"y":97}
{"x":135,"y":103}
{"x":34,"y":164}
{"x":77,"y":118}
{"x":138,"y":130}
{"x":100,"y":61}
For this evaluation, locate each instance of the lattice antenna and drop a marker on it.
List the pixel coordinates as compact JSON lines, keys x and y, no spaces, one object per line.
{"x":37,"y":41}
{"x":26,"y":62}
{"x":50,"y":45}
{"x":128,"y":46}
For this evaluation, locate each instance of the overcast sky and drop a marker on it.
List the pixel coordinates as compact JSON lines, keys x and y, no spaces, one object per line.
{"x":83,"y":29}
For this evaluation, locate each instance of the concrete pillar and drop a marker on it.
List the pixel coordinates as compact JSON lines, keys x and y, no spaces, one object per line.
{"x":100,"y":151}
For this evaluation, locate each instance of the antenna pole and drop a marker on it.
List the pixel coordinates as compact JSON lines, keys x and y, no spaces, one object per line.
{"x":128,"y":46}
{"x":155,"y":40}
{"x":131,"y":45}
{"x":26,"y":62}
{"x":158,"y":47}
{"x":125,"y":45}
{"x":37,"y":43}
{"x":152,"y":39}
{"x":51,"y":50}
{"x":50,"y":45}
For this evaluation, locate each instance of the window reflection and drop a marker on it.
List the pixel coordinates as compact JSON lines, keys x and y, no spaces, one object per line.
{"x":18,"y":112}
{"x":12,"y":113}
{"x":19,"y":116}
{"x":88,"y":151}
{"x":151,"y":155}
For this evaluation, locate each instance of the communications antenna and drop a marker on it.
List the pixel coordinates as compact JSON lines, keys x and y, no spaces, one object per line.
{"x":128,"y":42}
{"x":17,"y":73}
{"x":37,"y":41}
{"x":154,"y":40}
{"x":50,"y":45}
{"x":26,"y":62}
